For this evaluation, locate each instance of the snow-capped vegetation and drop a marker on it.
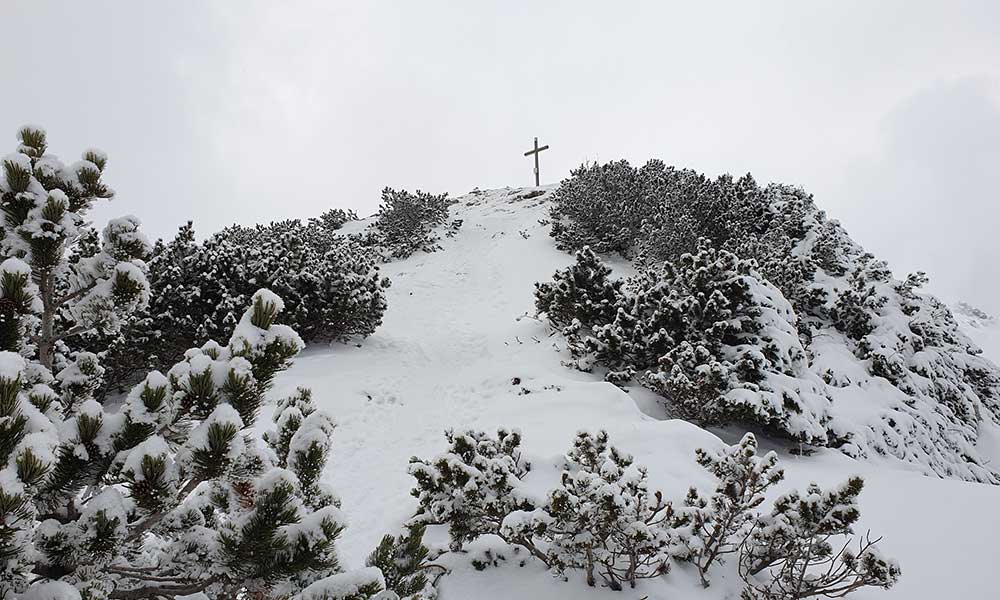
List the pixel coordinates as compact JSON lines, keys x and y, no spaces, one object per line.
{"x":620,"y":394}
{"x":814,"y":338}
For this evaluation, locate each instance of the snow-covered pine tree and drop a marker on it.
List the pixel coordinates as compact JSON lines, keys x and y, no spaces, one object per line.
{"x":405,"y":223}
{"x":649,"y":316}
{"x":175,"y":493}
{"x":718,"y":524}
{"x":844,"y":296}
{"x":598,"y":206}
{"x":351,"y":301}
{"x":690,"y":206}
{"x":602,"y":519}
{"x":472,"y":486}
{"x":333,"y":219}
{"x":583,"y":293}
{"x":655,"y":212}
{"x":80,"y":283}
{"x":302,"y":444}
{"x":736,"y":346}
{"x":857,"y":304}
{"x":803,"y":548}
{"x":335,"y":288}
{"x":705,"y":332}
{"x":776,"y":238}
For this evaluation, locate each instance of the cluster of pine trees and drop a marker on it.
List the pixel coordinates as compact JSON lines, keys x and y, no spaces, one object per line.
{"x":175,"y":493}
{"x":743,"y":292}
{"x":705,"y":332}
{"x":603,"y":519}
{"x":331,"y":285}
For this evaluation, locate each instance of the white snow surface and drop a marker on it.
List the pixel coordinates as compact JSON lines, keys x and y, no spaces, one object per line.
{"x":53,"y":590}
{"x":984,"y":332}
{"x":458,"y":332}
{"x":11,"y":364}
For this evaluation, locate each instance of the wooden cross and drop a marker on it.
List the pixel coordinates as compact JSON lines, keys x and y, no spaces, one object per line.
{"x":535,"y":152}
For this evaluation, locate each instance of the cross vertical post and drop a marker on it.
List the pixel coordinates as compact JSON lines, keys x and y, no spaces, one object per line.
{"x":535,"y":151}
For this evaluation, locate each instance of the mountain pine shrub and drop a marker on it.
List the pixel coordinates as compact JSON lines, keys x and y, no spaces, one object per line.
{"x":936,"y":390}
{"x":603,"y":520}
{"x":583,"y":292}
{"x":332,"y":286}
{"x":405,"y":223}
{"x":719,"y":523}
{"x":472,"y":486}
{"x":705,"y":332}
{"x":802,"y":548}
{"x":404,"y":562}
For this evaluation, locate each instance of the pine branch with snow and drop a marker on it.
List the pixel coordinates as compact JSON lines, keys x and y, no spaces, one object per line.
{"x":405,"y":564}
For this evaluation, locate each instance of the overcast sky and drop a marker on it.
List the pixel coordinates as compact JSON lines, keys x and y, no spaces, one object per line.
{"x":222,"y":112}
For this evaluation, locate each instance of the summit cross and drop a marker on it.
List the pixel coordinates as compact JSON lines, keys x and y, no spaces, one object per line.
{"x":535,"y":152}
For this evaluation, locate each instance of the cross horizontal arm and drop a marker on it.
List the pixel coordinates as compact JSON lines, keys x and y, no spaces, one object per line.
{"x":530,"y":152}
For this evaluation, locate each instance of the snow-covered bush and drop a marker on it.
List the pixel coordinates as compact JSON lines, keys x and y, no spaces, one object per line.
{"x":929,"y":391}
{"x":333,"y":219}
{"x":802,"y":548}
{"x":405,"y":223}
{"x":705,"y":332}
{"x":583,"y":292}
{"x":598,"y":206}
{"x":653,"y":212}
{"x":944,"y":392}
{"x":737,"y":330}
{"x":602,"y":518}
{"x":331,"y":285}
{"x":604,"y":521}
{"x":175,"y":493}
{"x":718,"y":524}
{"x":472,"y":486}
{"x":60,"y":279}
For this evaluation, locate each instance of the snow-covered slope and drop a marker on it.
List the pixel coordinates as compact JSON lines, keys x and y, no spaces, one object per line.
{"x":984,"y":331}
{"x":459,"y":349}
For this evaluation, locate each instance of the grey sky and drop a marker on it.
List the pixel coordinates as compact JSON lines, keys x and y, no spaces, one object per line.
{"x":224,"y":112}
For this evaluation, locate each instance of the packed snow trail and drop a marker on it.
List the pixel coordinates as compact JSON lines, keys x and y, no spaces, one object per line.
{"x":459,"y":349}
